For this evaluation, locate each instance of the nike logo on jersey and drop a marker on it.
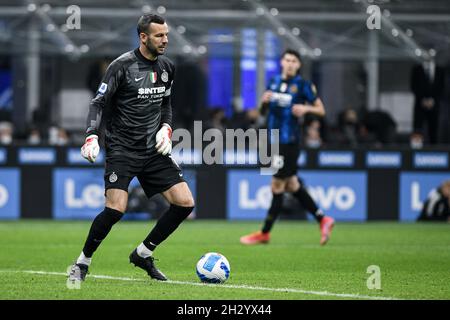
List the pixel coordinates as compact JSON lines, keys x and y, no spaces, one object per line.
{"x":138,"y":79}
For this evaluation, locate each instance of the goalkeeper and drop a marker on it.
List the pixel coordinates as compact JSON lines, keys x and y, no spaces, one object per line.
{"x":134,"y":102}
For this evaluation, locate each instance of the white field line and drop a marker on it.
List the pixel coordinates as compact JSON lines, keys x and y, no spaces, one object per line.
{"x":230,"y":286}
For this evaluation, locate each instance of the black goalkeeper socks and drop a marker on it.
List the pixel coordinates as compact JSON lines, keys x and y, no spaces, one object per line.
{"x":100,"y":228}
{"x":308,"y":203}
{"x":166,"y":225}
{"x":274,"y":211}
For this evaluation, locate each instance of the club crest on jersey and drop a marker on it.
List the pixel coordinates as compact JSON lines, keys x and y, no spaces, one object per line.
{"x":153,"y":76}
{"x":165,"y":76}
{"x":113,"y":177}
{"x":293,"y":88}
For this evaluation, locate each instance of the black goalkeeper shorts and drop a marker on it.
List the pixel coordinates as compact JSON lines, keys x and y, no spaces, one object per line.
{"x":156,"y":173}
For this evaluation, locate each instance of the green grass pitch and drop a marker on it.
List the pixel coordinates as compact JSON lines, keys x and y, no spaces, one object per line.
{"x":414,"y":261}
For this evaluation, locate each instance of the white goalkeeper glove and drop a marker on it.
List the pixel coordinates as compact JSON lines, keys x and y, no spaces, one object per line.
{"x":90,"y":149}
{"x":163,"y":142}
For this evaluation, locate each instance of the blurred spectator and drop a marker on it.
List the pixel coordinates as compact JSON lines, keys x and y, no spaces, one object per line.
{"x":367,"y":138}
{"x":381,"y":125}
{"x":139,"y":203}
{"x":313,"y":137}
{"x":6,"y":133}
{"x":437,"y":204}
{"x":349,"y":127}
{"x":34,"y":137}
{"x":57,"y":136}
{"x":63,"y":137}
{"x":239,"y":119}
{"x":255,"y":119}
{"x":427,"y":85}
{"x":416,"y":141}
{"x":216,"y":120}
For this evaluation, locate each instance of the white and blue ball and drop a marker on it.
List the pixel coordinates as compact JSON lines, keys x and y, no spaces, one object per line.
{"x":213,"y":268}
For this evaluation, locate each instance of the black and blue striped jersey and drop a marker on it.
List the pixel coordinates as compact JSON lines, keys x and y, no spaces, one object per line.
{"x":286,"y":93}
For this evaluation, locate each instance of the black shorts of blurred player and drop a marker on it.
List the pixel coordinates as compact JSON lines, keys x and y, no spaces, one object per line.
{"x":287,"y":161}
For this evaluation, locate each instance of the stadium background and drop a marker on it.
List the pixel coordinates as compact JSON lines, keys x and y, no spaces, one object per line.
{"x":225,"y":52}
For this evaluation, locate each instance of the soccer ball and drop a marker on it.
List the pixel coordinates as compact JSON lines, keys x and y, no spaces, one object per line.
{"x":213,"y":268}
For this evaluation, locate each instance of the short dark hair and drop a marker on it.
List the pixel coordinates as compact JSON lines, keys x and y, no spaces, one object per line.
{"x":145,"y":20}
{"x":292,"y":52}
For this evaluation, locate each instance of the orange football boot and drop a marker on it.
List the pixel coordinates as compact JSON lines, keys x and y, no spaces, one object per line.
{"x":255,"y":238}
{"x":326,"y":225}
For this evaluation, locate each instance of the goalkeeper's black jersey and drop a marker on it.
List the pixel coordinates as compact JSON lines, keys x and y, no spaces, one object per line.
{"x":133,"y":100}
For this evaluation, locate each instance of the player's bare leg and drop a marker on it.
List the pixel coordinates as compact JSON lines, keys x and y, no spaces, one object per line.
{"x":116,"y":199}
{"x":115,"y":205}
{"x":179,"y":195}
{"x":181,"y":205}
{"x":263,"y":236}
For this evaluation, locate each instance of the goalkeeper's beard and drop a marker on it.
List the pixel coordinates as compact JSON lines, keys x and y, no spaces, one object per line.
{"x":152,"y":49}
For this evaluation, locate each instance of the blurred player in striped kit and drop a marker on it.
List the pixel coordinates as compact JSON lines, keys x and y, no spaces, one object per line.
{"x":288,"y":98}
